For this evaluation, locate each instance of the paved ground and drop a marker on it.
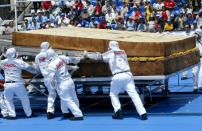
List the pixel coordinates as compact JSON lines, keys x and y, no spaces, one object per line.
{"x":181,"y":110}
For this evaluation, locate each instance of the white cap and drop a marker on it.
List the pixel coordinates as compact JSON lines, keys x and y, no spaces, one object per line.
{"x":10,"y":53}
{"x":114,"y":45}
{"x":45,"y":46}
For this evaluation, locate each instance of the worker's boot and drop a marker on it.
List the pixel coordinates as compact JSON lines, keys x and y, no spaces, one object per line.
{"x":50,"y":115}
{"x":144,"y":116}
{"x":118,"y":115}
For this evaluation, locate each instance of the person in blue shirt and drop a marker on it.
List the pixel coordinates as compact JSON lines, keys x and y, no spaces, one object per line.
{"x":189,"y":19}
{"x":141,"y":26}
{"x":35,"y":25}
{"x":130,"y":26}
{"x":32,"y":17}
{"x":49,"y":17}
{"x":26,"y":25}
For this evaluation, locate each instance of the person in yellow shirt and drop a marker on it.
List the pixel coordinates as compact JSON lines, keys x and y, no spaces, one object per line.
{"x":149,"y":12}
{"x":168,"y":26}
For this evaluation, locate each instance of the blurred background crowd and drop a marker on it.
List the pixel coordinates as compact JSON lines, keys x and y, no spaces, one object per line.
{"x":131,"y":15}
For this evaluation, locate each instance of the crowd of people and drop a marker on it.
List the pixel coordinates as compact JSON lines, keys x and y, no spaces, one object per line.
{"x":130,"y":15}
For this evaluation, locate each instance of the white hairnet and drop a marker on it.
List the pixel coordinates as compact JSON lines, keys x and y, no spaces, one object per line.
{"x":114,"y":45}
{"x":51,"y":54}
{"x":45,"y":46}
{"x":10,"y":53}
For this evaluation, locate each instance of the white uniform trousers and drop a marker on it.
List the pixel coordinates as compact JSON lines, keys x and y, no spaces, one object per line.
{"x":68,"y":97}
{"x":19,"y":90}
{"x":195,"y":71}
{"x":200,"y":75}
{"x":125,"y":81}
{"x":51,"y":96}
{"x":3,"y":107}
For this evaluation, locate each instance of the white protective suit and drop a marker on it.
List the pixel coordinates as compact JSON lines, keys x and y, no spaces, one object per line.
{"x":199,"y":32}
{"x":42,"y":62}
{"x":65,"y":86}
{"x":14,"y":84}
{"x":195,"y":70}
{"x":122,"y":77}
{"x":3,"y":107}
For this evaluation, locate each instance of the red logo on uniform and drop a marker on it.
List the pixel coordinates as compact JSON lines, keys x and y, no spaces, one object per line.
{"x":60,"y":64}
{"x":42,"y":59}
{"x":119,"y":52}
{"x":9,"y":65}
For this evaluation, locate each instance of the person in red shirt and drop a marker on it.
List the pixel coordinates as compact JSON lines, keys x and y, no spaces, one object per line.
{"x":137,"y":15}
{"x":98,"y":9}
{"x":103,"y":24}
{"x":169,"y":4}
{"x":164,"y":13}
{"x":79,"y":5}
{"x":46,"y":4}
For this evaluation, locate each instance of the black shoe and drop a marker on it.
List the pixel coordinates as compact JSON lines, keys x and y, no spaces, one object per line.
{"x":5,"y":117}
{"x":144,"y":116}
{"x":76,"y":118}
{"x":10,"y":118}
{"x":118,"y":115}
{"x":50,"y":115}
{"x":68,"y":115}
{"x":184,"y":78}
{"x":195,"y":91}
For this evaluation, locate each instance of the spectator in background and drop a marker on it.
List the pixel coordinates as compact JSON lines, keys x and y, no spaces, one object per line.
{"x":151,"y":23}
{"x":49,"y":24}
{"x":179,"y":21}
{"x":130,"y":25}
{"x":90,"y":8}
{"x":26,"y":25}
{"x":46,"y":4}
{"x":168,"y":26}
{"x":2,"y":28}
{"x":189,"y":19}
{"x":84,"y":14}
{"x":102,"y":24}
{"x":124,"y":9}
{"x":169,"y":5}
{"x":10,"y":29}
{"x":79,"y":6}
{"x":36,"y":5}
{"x":196,"y":4}
{"x":194,"y":25}
{"x":119,"y":19}
{"x":49,"y":17}
{"x":39,"y":17}
{"x":142,"y":27}
{"x":149,"y":12}
{"x":199,"y":19}
{"x":32,"y":17}
{"x":109,"y":17}
{"x":98,"y":9}
{"x":164,"y":13}
{"x":35,"y":25}
{"x":158,"y":6}
{"x":63,"y":21}
{"x":159,"y":29}
{"x":106,"y":7}
{"x":93,"y":23}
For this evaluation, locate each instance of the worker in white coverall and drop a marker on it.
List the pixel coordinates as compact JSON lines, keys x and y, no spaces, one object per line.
{"x":195,"y":70}
{"x":199,"y":43}
{"x":14,"y":84}
{"x":122,"y":79}
{"x":42,"y":62}
{"x":3,"y":107}
{"x":65,"y":86}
